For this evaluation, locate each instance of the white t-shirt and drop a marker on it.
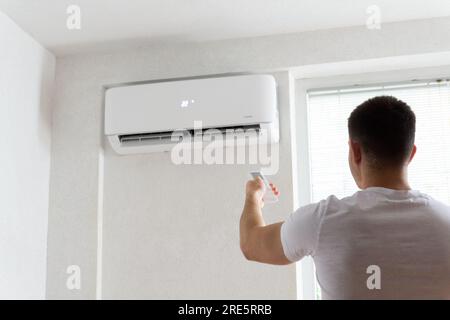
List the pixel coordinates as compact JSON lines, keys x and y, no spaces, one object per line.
{"x":376,"y":244}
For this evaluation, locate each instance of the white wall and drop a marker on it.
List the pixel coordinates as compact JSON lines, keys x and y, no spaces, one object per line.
{"x":197,"y":254}
{"x":26,"y":81}
{"x":177,"y":227}
{"x":161,"y":238}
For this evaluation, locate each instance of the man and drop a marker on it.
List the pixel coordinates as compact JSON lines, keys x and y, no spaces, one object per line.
{"x":386,"y":241}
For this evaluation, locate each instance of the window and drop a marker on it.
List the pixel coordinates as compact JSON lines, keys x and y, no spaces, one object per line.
{"x":328,"y":111}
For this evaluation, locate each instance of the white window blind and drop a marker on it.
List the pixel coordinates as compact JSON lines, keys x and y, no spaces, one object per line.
{"x":328,"y":112}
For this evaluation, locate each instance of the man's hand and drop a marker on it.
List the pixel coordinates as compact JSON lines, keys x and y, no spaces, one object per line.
{"x":255,"y":190}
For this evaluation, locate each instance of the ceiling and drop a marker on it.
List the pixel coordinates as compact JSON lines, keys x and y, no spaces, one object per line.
{"x":108,"y":22}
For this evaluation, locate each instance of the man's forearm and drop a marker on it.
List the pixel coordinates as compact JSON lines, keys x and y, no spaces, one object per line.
{"x":251,"y":218}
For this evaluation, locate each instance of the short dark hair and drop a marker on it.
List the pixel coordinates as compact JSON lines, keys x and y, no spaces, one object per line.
{"x":385,"y":127}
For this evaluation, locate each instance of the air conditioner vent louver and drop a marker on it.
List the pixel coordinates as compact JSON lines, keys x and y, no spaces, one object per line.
{"x":166,"y":136}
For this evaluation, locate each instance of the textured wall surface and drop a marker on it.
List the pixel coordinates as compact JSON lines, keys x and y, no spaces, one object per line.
{"x":26,"y":81}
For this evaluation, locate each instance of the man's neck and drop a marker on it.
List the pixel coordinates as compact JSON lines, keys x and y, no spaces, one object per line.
{"x":390,"y":179}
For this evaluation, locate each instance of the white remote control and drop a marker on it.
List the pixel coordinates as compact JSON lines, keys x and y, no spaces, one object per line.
{"x":269,"y":196}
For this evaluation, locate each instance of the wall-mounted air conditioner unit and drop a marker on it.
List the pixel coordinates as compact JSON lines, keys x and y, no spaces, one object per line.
{"x":154,"y":117}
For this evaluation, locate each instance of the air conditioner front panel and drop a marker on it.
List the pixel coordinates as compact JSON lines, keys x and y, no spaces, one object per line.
{"x":167,"y":106}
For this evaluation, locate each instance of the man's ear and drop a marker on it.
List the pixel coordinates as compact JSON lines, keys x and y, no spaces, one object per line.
{"x":413,"y":153}
{"x":355,"y":150}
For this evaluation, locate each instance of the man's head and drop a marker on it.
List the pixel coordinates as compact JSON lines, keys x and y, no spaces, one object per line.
{"x":381,"y":132}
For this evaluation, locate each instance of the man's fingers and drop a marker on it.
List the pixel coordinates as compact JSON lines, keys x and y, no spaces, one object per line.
{"x":260,"y":182}
{"x":255,"y":184}
{"x":275,"y":189}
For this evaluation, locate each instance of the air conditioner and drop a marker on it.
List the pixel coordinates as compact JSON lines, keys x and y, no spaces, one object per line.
{"x":153,"y":117}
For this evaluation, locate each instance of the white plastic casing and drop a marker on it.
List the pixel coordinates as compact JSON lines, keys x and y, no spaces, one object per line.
{"x":154,"y":108}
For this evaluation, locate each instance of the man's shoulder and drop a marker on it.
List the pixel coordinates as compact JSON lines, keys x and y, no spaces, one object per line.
{"x":333,"y":204}
{"x":433,"y":202}
{"x":333,"y":200}
{"x":362,"y":199}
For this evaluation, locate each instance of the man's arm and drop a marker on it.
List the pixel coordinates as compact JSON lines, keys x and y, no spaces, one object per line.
{"x":259,"y":242}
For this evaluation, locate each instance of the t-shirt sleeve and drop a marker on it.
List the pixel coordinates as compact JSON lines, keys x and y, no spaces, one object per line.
{"x":300,"y":231}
